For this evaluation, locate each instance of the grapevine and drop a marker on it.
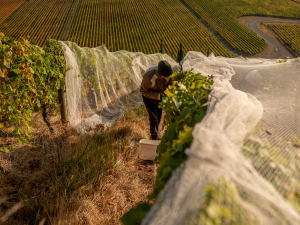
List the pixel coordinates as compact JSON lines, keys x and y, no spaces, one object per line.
{"x":221,"y":15}
{"x":136,"y":26}
{"x":7,"y":7}
{"x":29,"y":77}
{"x":290,"y":34}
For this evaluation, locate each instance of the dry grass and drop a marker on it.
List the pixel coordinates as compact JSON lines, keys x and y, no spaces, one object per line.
{"x":64,"y":178}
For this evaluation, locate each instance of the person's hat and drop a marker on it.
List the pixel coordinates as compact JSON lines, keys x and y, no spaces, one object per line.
{"x":164,"y":68}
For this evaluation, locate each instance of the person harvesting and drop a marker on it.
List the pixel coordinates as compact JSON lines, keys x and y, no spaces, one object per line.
{"x":155,"y":81}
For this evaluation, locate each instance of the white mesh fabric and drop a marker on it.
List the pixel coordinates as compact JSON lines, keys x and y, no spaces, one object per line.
{"x":243,"y":164}
{"x":206,"y":65}
{"x":100,"y":84}
{"x":254,"y":175}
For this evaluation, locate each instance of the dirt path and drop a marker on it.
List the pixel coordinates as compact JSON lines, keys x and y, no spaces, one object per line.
{"x":275,"y":48}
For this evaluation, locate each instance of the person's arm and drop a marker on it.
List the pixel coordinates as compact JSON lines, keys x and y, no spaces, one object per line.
{"x":170,"y":82}
{"x":146,"y":91}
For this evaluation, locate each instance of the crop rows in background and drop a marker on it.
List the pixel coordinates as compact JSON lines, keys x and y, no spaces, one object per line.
{"x":41,"y":20}
{"x":289,"y":33}
{"x":140,"y":25}
{"x":222,"y":16}
{"x":133,"y":25}
{"x":7,"y":7}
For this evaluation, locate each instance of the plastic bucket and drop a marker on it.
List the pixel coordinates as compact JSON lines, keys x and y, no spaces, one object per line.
{"x":148,"y":149}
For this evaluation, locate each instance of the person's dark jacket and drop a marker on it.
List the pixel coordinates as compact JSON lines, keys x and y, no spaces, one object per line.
{"x":153,"y":84}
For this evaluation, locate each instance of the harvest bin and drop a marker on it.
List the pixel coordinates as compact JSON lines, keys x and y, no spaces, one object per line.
{"x":148,"y":149}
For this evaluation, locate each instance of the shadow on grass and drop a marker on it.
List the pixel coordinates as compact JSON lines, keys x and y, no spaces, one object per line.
{"x":51,"y":175}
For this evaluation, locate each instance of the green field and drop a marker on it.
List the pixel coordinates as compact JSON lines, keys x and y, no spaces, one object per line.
{"x":119,"y":24}
{"x":289,"y":33}
{"x":222,"y":16}
{"x":141,"y":25}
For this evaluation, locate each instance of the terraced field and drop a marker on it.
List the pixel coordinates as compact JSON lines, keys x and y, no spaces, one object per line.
{"x":289,"y":33}
{"x":132,"y":25}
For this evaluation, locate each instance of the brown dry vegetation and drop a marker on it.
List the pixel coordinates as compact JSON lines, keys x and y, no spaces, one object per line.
{"x":65,"y":178}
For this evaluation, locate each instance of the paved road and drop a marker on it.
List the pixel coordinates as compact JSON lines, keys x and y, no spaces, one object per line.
{"x":275,"y":49}
{"x":208,"y":27}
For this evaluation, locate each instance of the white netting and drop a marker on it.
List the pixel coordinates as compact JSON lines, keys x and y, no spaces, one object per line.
{"x":100,"y":84}
{"x":243,"y":164}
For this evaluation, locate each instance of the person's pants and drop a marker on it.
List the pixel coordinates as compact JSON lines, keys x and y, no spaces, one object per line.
{"x":154,"y":115}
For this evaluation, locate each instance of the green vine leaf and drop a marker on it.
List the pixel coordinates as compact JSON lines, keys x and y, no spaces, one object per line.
{"x":17,"y":131}
{"x":29,"y":76}
{"x":22,"y":140}
{"x":27,"y":128}
{"x":14,"y":118}
{"x":28,"y":115}
{"x":27,"y":135}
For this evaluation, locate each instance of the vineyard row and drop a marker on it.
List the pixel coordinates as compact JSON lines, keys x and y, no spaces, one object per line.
{"x":7,"y":7}
{"x":141,"y":25}
{"x":290,"y":34}
{"x":221,"y":15}
{"x":119,"y":24}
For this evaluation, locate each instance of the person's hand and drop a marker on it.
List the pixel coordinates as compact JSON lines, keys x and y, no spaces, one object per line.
{"x":162,"y":95}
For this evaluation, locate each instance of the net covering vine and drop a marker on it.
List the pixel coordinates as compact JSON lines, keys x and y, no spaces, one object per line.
{"x":101,"y":85}
{"x":243,"y":164}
